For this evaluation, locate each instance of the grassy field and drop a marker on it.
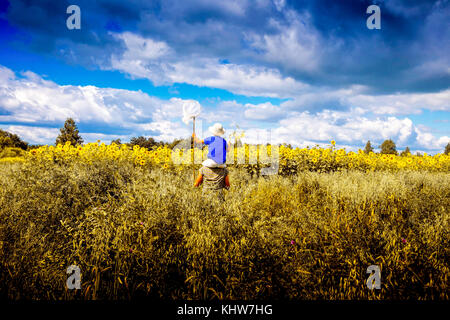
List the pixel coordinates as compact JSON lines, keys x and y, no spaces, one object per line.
{"x":144,"y":231}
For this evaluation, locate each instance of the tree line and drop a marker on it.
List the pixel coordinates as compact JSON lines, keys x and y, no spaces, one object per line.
{"x":388,"y":147}
{"x":70,"y":133}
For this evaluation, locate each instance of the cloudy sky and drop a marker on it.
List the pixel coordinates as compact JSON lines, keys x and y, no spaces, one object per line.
{"x":298,"y":72}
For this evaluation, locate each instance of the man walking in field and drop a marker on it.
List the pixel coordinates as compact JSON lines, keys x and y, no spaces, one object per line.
{"x":217,"y":147}
{"x":213,"y":172}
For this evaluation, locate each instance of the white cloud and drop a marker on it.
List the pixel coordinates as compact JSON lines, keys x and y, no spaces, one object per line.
{"x":225,"y":111}
{"x":166,"y":67}
{"x":43,"y":135}
{"x":357,"y":97}
{"x":32,"y":99}
{"x":237,"y":7}
{"x":142,"y":49}
{"x":406,"y":103}
{"x":169,"y":130}
{"x":299,"y":42}
{"x":295,"y":46}
{"x":41,"y":103}
{"x":264,"y":111}
{"x":429,"y":141}
{"x":279,"y":4}
{"x":243,"y":114}
{"x":6,"y":75}
{"x":239,"y":79}
{"x":344,"y":127}
{"x":35,"y":101}
{"x":350,"y":129}
{"x":36,"y":135}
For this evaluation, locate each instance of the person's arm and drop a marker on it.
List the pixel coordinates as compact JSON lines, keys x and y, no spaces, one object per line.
{"x":228,"y":146}
{"x":199,"y":180}
{"x":227,"y":182}
{"x":197,"y":140}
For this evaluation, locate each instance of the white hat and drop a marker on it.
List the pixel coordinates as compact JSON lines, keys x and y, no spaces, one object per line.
{"x":217,"y":129}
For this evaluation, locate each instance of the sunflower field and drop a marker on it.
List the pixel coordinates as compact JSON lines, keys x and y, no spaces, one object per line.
{"x":252,"y":158}
{"x":132,"y":222}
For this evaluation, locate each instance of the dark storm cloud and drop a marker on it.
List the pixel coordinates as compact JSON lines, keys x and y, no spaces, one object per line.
{"x":409,"y":53}
{"x":397,"y":58}
{"x":191,"y":27}
{"x":210,"y":28}
{"x":45,"y":21}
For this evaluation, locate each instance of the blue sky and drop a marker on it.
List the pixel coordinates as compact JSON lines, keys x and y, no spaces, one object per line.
{"x":306,"y":71}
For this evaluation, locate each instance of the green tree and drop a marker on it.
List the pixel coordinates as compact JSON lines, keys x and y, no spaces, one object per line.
{"x":406,"y":152}
{"x":447,"y":149}
{"x":116,"y":141}
{"x":144,"y":142}
{"x":35,"y":146}
{"x":388,"y":147}
{"x":172,"y":144}
{"x":368,"y":149}
{"x":69,"y":133}
{"x":11,"y":140}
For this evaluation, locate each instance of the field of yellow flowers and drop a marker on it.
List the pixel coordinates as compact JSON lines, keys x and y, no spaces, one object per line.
{"x":130,"y":219}
{"x":290,"y":160}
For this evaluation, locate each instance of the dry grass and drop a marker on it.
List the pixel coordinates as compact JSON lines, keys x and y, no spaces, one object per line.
{"x":146,"y":232}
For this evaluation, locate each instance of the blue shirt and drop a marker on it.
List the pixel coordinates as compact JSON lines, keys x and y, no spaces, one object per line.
{"x":217,"y":149}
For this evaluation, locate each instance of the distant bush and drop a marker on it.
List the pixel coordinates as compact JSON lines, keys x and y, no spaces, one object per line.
{"x":11,"y":140}
{"x":406,"y":152}
{"x":143,"y":142}
{"x":368,"y":148}
{"x":11,"y":152}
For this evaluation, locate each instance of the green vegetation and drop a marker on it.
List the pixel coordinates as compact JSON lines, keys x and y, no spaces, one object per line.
{"x":368,"y":148}
{"x":388,"y":147}
{"x":69,"y":133}
{"x":10,"y":140}
{"x":405,"y":152}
